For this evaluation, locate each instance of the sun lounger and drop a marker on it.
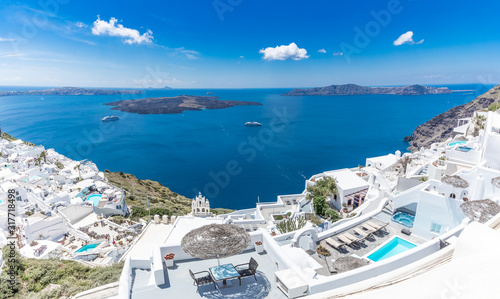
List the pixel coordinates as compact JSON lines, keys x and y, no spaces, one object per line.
{"x":349,"y":241}
{"x":351,"y":237}
{"x":375,"y":225}
{"x":344,"y":239}
{"x":362,"y":233}
{"x":334,"y":243}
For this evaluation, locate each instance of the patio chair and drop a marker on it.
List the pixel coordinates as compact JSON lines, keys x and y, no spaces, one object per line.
{"x":334,"y":244}
{"x":202,"y":280}
{"x":375,"y":225}
{"x":354,"y":238}
{"x":347,"y":241}
{"x":249,"y":270}
{"x":364,"y":233}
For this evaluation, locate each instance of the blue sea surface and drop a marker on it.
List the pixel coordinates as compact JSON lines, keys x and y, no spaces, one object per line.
{"x":213,"y":152}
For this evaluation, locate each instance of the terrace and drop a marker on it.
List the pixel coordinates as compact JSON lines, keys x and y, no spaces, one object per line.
{"x":179,"y":283}
{"x":370,"y":244}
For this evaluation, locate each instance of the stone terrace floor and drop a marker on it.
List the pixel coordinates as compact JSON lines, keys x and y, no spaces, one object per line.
{"x":393,"y":229}
{"x":180,"y":285}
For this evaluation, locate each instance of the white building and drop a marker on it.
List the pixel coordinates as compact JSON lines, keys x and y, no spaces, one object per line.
{"x":351,"y":188}
{"x":200,"y":206}
{"x":42,"y":227}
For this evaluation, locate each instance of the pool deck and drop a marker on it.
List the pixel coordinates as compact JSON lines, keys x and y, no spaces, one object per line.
{"x":391,"y":230}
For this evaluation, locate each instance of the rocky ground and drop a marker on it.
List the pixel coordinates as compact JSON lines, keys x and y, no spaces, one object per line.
{"x":440,"y":128}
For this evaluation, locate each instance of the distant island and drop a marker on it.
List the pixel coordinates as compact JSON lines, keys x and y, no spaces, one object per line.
{"x":172,"y":105}
{"x":165,"y":87}
{"x":353,"y":89}
{"x":69,"y":91}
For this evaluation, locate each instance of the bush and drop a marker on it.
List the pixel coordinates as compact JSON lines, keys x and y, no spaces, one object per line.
{"x":290,"y":225}
{"x":278,"y":217}
{"x":494,"y":107}
{"x":316,"y":220}
{"x":59,"y":165}
{"x":320,"y":205}
{"x":333,"y":215}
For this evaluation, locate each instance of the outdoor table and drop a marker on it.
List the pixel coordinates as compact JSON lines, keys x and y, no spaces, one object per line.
{"x":224,"y":272}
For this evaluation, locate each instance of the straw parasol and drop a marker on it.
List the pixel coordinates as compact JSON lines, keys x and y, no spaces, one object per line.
{"x":480,"y":210}
{"x":496,"y":182}
{"x":455,"y":181}
{"x":215,"y":241}
{"x":347,"y":263}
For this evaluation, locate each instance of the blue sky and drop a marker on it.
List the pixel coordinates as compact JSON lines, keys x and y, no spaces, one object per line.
{"x":246,"y":44}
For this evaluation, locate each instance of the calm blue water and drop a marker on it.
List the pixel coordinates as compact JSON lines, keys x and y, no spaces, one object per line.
{"x":213,"y":152}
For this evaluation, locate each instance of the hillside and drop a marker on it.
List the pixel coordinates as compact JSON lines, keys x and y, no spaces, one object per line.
{"x":353,"y":89}
{"x":441,"y":127}
{"x":162,"y":200}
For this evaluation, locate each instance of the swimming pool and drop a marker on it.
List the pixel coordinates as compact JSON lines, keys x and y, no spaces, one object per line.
{"x":456,"y":142}
{"x":88,"y":248}
{"x":94,"y":198}
{"x":391,"y":248}
{"x":404,"y":218}
{"x":464,"y":149}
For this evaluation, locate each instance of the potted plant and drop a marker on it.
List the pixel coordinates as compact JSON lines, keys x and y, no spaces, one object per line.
{"x":322,"y":251}
{"x":273,"y":233}
{"x":259,"y":246}
{"x":169,"y":260}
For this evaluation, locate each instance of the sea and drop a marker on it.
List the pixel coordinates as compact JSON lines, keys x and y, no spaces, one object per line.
{"x":213,"y":152}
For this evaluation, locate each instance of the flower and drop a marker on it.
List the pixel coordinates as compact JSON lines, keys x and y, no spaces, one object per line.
{"x":169,"y":256}
{"x":258,"y":243}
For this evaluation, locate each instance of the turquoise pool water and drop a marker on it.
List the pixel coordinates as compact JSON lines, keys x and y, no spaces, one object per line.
{"x":87,"y":248}
{"x":404,"y":219}
{"x":457,"y":142}
{"x":390,"y":249}
{"x":464,"y":149}
{"x":94,"y":198}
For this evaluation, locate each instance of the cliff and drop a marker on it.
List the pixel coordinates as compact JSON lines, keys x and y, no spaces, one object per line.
{"x":69,"y":91}
{"x":353,"y":89}
{"x":440,"y":128}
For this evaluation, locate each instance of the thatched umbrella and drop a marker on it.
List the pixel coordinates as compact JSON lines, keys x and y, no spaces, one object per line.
{"x":455,"y":181}
{"x":496,"y":182}
{"x":485,"y":209}
{"x":215,"y":241}
{"x":347,"y":263}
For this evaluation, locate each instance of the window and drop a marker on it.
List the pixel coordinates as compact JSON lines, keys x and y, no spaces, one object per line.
{"x":453,"y":195}
{"x":18,"y":198}
{"x":435,"y":228}
{"x":335,"y":197}
{"x":349,"y":202}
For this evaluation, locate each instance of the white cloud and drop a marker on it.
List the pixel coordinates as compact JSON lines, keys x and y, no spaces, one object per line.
{"x":406,"y":38}
{"x":7,"y":39}
{"x":338,"y":53}
{"x":242,"y":57}
{"x":189,"y":54}
{"x":111,"y":28}
{"x":290,"y":52}
{"x":81,"y":25}
{"x":321,"y":51}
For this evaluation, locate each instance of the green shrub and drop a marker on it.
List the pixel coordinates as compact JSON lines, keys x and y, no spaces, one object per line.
{"x":278,"y":217}
{"x":59,"y":165}
{"x":333,"y":215}
{"x":290,"y":225}
{"x":494,"y":107}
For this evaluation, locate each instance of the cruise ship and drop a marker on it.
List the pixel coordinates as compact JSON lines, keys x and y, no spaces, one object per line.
{"x":110,"y":118}
{"x":253,"y":124}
